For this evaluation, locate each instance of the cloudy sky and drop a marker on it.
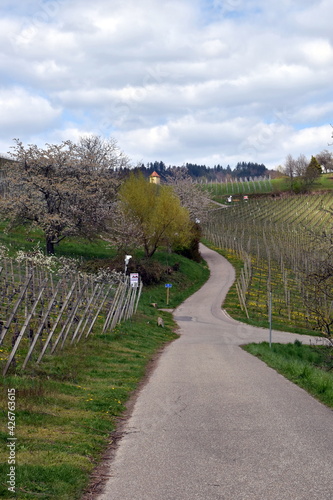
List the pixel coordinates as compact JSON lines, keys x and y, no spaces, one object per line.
{"x":202,"y":81}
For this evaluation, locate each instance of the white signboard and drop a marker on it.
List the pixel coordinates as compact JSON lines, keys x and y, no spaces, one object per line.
{"x":134,"y":279}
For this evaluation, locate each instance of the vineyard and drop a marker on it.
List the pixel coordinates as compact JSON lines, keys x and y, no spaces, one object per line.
{"x":218,"y":190}
{"x":279,"y":241}
{"x":236,"y":187}
{"x":46,"y":305}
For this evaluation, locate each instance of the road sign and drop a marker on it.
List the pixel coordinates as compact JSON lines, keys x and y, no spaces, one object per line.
{"x":134,"y":279}
{"x":168,"y":286}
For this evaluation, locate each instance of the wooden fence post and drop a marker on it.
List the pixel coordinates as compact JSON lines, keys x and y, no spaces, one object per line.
{"x":5,"y":328}
{"x":68,"y":296}
{"x":68,"y":323}
{"x":85,"y":313}
{"x":24,"y":327}
{"x":112,"y":309}
{"x":41,"y":326}
{"x":98,"y":311}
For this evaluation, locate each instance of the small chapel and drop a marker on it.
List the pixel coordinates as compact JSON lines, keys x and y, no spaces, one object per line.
{"x":154,"y":178}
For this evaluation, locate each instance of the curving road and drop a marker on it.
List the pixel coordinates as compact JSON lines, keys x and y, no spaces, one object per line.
{"x":215,"y":423}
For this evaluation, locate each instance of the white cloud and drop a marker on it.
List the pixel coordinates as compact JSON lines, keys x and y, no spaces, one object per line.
{"x":188,"y":80}
{"x":318,"y":52}
{"x":307,"y":140}
{"x":21,"y":111}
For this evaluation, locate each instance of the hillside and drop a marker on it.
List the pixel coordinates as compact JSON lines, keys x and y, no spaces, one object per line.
{"x":284,"y":245}
{"x":220,"y":191}
{"x":310,"y":211}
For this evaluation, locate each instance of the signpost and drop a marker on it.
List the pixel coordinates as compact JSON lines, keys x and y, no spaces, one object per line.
{"x":134,"y":279}
{"x":127,"y":259}
{"x":168,"y":286}
{"x":270,"y":318}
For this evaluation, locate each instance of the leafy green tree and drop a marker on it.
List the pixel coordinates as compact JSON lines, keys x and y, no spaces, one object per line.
{"x":149,"y":216}
{"x":312,"y":171}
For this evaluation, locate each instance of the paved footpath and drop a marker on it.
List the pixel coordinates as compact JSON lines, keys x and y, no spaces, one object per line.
{"x":214,"y":422}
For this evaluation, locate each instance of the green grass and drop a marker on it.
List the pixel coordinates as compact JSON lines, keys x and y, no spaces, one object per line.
{"x":184,"y":283}
{"x":220,"y":191}
{"x":67,"y":406}
{"x":310,"y":367}
{"x":26,"y":238}
{"x":326,"y":181}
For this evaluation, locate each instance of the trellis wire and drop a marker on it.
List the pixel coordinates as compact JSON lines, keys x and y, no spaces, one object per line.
{"x":56,"y":310}
{"x":275,"y":232}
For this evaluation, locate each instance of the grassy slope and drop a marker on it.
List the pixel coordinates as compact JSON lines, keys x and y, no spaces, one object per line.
{"x":310,"y":367}
{"x":67,"y":407}
{"x":26,"y":239}
{"x":220,"y":191}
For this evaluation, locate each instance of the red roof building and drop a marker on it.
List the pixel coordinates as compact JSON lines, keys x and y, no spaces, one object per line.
{"x":154,"y":178}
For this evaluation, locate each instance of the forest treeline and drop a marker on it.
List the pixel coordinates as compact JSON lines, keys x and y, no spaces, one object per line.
{"x":243,"y":170}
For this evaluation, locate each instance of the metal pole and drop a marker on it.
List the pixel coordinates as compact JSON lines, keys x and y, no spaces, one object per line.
{"x":270,"y":318}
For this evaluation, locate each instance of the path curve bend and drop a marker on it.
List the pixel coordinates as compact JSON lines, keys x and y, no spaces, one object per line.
{"x":215,"y":423}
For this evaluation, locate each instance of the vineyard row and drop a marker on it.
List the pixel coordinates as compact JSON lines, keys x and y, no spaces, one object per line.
{"x":278,"y":253}
{"x":42,"y":312}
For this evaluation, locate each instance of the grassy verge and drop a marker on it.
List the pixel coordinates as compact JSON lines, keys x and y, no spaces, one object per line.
{"x":310,"y":367}
{"x":67,"y":407}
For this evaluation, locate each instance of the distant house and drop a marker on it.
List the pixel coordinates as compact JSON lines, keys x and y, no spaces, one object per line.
{"x":154,"y":178}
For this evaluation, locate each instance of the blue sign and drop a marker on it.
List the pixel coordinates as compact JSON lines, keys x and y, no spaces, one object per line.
{"x":168,"y":286}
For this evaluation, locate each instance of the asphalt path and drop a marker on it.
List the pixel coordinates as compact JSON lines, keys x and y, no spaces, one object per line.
{"x":214,"y":422}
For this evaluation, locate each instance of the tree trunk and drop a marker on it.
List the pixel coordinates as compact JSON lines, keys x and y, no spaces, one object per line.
{"x":152,"y":251}
{"x":49,"y":246}
{"x":149,"y":252}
